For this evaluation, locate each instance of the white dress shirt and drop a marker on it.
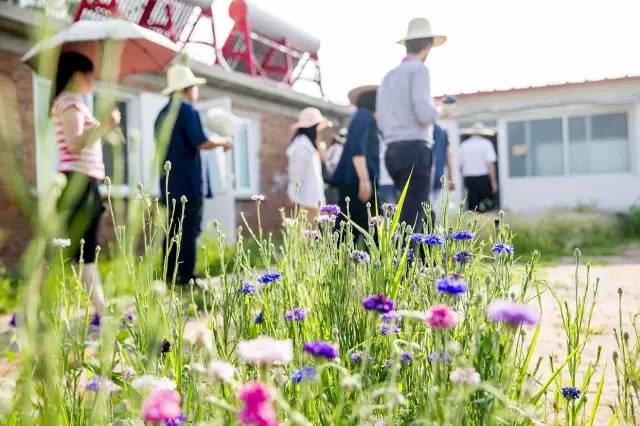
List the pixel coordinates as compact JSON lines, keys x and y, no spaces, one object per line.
{"x":475,"y":155}
{"x":306,"y":187}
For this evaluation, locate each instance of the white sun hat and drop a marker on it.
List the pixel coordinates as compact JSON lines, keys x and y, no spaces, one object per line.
{"x":421,"y":28}
{"x":478,"y":129}
{"x":180,"y":77}
{"x":309,"y":117}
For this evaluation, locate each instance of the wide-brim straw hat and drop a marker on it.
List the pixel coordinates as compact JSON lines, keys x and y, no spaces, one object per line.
{"x":179,"y":77}
{"x":421,"y":28}
{"x":354,"y":94}
{"x":477,"y":129}
{"x":310,"y":117}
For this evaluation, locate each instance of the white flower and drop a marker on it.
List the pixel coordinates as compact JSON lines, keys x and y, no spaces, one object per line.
{"x":146,"y":384}
{"x":159,"y":287}
{"x":221,"y":370}
{"x":257,"y":197}
{"x":61,"y":242}
{"x":266,"y":350}
{"x":197,"y":333}
{"x":288,"y":222}
{"x":325,"y":218}
{"x":197,"y":368}
{"x":465,"y":375}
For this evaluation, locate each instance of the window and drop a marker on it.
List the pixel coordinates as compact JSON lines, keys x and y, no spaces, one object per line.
{"x":245,"y":159}
{"x":594,"y":144}
{"x":598,"y":144}
{"x":115,"y":148}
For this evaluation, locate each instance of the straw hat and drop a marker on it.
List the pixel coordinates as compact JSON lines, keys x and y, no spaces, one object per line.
{"x":179,"y":77}
{"x":421,"y":28}
{"x":309,"y":117}
{"x":354,"y":94}
{"x":478,"y":129}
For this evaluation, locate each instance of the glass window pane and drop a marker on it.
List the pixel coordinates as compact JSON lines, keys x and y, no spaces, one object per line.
{"x":609,"y":126}
{"x":241,"y":158}
{"x":546,"y":146}
{"x":517,"y":148}
{"x":578,"y":128}
{"x":579,"y":157}
{"x":608,"y":156}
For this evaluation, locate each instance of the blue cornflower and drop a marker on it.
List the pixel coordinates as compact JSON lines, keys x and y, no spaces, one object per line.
{"x":269,"y":277}
{"x":570,"y":393}
{"x":406,"y":357}
{"x":463,"y":235}
{"x":375,"y":221}
{"x":176,"y":421}
{"x":379,"y":303}
{"x":388,"y":317}
{"x":502,"y":248}
{"x":320,"y":349}
{"x":296,"y":314}
{"x":330,"y":209}
{"x":99,"y":383}
{"x":247,"y":288}
{"x":356,"y":357}
{"x":389,"y":208}
{"x":417,"y":238}
{"x":304,"y":373}
{"x":463,"y":257}
{"x":94,"y":325}
{"x":453,"y":285}
{"x":442,"y":356}
{"x":259,"y":318}
{"x":433,"y":240}
{"x":13,"y":322}
{"x":359,"y":256}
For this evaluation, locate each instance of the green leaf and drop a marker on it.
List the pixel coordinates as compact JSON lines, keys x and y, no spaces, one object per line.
{"x":596,"y":399}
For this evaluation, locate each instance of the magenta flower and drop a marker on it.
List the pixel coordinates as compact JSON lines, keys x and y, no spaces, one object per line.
{"x":162,"y":406}
{"x":257,"y":409}
{"x":441,"y":316}
{"x":512,"y":313}
{"x":379,"y":303}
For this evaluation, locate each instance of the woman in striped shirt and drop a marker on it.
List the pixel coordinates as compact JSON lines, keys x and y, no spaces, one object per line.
{"x":78,"y":136}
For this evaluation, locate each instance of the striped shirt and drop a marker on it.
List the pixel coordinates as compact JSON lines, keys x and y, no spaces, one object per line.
{"x":89,"y":159}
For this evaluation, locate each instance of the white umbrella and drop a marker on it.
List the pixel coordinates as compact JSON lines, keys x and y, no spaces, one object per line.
{"x":142,"y":50}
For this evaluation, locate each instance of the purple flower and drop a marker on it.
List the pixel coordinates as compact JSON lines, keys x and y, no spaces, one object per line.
{"x":570,"y":393}
{"x":512,"y":313}
{"x":417,"y":238}
{"x":269,"y":277}
{"x":388,"y":317}
{"x":127,"y":316}
{"x":389,"y":208}
{"x":312,"y":234}
{"x":13,"y":322}
{"x":178,"y":421}
{"x":379,"y":303}
{"x":330,"y":209}
{"x":320,"y":349}
{"x":406,"y":357}
{"x":463,"y":235}
{"x":99,"y":383}
{"x":247,"y":288}
{"x":375,"y":221}
{"x":385,"y":328}
{"x":463,"y":257}
{"x":356,"y":357}
{"x":502,"y":248}
{"x":128,"y":373}
{"x":442,"y":356}
{"x":359,"y":256}
{"x":433,"y":240}
{"x":325,"y":218}
{"x":453,"y":285}
{"x":304,"y":373}
{"x":94,"y":325}
{"x":296,"y":314}
{"x":259,"y":318}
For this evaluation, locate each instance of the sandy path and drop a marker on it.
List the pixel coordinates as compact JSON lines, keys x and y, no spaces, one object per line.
{"x":617,"y":272}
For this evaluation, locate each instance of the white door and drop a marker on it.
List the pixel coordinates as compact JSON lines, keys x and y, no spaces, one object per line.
{"x":218,"y":166}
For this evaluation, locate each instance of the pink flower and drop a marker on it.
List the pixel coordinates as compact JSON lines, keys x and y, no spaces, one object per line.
{"x":257,"y":409}
{"x":161,"y":406}
{"x":441,"y":316}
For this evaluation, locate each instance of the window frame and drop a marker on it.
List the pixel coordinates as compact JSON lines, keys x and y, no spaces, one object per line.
{"x":254,"y":136}
{"x":564,"y":114}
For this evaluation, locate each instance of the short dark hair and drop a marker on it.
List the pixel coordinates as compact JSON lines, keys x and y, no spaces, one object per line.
{"x":418,"y":44}
{"x":68,"y":64}
{"x":367,"y":100}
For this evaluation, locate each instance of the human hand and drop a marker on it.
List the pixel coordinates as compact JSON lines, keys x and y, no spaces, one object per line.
{"x":114,"y":118}
{"x":364,"y":191}
{"x":452,"y":185}
{"x":494,"y":187}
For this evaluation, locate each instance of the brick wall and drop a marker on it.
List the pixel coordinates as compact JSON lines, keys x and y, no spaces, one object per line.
{"x":17,"y":152}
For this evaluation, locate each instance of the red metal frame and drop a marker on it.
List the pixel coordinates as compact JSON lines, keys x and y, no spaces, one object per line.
{"x":167,"y":27}
{"x":108,"y":6}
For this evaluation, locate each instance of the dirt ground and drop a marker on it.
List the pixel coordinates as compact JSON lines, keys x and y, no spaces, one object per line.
{"x":614,"y":272}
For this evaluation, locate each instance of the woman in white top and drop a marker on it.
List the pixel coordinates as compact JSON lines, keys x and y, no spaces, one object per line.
{"x":306,"y":186}
{"x":78,"y":135}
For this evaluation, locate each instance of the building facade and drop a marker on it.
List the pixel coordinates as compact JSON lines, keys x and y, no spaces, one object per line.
{"x":561,"y":146}
{"x":256,"y":165}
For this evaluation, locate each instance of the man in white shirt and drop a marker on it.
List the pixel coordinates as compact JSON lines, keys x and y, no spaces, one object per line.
{"x":477,"y":158}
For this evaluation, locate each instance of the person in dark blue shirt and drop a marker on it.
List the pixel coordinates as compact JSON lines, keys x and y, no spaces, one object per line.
{"x":357,"y":173}
{"x":180,"y":135}
{"x":442,"y":158}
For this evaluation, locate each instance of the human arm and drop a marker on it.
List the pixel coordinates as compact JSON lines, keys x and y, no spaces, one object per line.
{"x":195,"y":133}
{"x":75,"y":134}
{"x":491,"y":158}
{"x":423,"y":107}
{"x":364,"y":184}
{"x":357,"y":139}
{"x":493,"y":177}
{"x":214,"y":142}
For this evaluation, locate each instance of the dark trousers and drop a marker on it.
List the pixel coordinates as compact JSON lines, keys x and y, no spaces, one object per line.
{"x":80,"y":207}
{"x":357,"y":209}
{"x":478,"y":190}
{"x":411,"y":159}
{"x":191,"y":227}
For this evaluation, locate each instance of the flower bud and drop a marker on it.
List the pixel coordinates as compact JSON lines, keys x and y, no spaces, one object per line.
{"x":107,"y":181}
{"x":167,"y":166}
{"x":183,"y":199}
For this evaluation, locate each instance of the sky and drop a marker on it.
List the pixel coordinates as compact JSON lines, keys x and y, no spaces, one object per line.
{"x":493,"y":44}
